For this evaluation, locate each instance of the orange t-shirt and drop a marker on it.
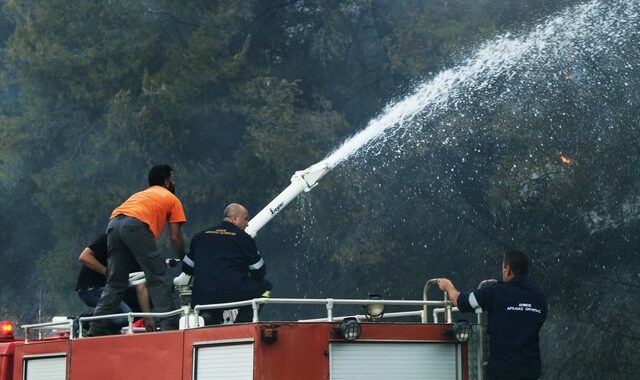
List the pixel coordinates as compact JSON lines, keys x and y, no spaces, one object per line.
{"x":153,"y":206}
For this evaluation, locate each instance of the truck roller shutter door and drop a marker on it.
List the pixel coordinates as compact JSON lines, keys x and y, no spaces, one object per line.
{"x":397,"y":361}
{"x":45,"y":368}
{"x":225,"y":361}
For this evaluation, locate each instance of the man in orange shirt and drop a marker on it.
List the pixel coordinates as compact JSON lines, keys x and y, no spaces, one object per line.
{"x":132,"y":233}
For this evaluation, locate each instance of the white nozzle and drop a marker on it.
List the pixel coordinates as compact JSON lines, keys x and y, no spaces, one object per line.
{"x":303,"y":180}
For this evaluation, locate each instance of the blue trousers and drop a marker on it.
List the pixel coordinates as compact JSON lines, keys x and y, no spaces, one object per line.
{"x":91,"y":296}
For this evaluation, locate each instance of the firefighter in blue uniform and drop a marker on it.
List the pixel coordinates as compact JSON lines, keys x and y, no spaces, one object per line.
{"x":226,"y":266}
{"x":516,"y":311}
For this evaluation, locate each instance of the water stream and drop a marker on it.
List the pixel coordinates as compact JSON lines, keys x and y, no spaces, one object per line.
{"x":501,"y":67}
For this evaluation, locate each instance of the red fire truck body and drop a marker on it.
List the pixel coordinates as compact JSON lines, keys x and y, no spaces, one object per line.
{"x":263,"y":350}
{"x":6,"y":359}
{"x":309,"y":350}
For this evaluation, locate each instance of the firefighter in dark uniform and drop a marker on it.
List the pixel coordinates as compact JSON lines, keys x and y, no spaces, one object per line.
{"x":516,"y":311}
{"x":226,"y":266}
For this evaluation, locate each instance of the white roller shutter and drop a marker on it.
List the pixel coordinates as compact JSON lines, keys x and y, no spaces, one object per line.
{"x":410,"y":361}
{"x":227,"y":361}
{"x":45,"y":368}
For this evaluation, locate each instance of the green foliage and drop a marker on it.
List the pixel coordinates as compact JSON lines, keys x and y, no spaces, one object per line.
{"x":238,"y":95}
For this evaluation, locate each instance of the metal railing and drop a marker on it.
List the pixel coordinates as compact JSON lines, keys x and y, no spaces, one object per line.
{"x":184,"y":311}
{"x":364,"y":317}
{"x":328,"y":302}
{"x":67,"y":325}
{"x":65,"y":328}
{"x":445,"y":306}
{"x":446,"y":302}
{"x":480,"y":350}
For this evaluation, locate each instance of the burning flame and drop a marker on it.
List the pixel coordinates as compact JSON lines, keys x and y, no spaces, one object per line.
{"x":566,"y":160}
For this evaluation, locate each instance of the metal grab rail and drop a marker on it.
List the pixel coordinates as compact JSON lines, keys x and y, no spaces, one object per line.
{"x":453,"y":308}
{"x":47,"y":325}
{"x":480,"y":351}
{"x":255,"y":304}
{"x":363,"y":317}
{"x":328,"y":302}
{"x":130,"y":316}
{"x":446,"y":302}
{"x":440,"y":310}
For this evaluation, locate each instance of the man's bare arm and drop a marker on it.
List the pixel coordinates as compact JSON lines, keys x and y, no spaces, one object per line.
{"x":88,"y":259}
{"x":175,"y":236}
{"x":447,"y":286}
{"x":145,"y":306}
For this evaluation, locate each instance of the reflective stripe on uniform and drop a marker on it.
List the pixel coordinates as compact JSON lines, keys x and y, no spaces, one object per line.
{"x":473,"y":302}
{"x":257,"y":265}
{"x":188,"y":261}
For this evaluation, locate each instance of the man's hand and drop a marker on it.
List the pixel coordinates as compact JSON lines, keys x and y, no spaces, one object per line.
{"x":149,"y":324}
{"x":447,"y":286}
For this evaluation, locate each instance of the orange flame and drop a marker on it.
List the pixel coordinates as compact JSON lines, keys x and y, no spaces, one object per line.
{"x":566,"y":160}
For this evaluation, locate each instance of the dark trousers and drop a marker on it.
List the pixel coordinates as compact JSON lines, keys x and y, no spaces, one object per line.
{"x":214,"y":317}
{"x":247,"y":290}
{"x":129,"y":238}
{"x":91,"y":296}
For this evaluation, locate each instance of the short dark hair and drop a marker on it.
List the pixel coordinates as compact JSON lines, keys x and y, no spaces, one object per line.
{"x":158,"y":174}
{"x":518,"y":262}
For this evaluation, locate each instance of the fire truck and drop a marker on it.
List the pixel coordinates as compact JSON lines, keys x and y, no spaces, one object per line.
{"x":373,"y":344}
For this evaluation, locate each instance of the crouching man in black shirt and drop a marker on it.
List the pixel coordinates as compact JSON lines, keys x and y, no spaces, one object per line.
{"x":93,"y":277}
